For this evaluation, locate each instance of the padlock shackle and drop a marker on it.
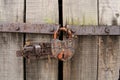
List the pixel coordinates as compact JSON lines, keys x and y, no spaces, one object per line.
{"x":63,"y":29}
{"x":55,"y":34}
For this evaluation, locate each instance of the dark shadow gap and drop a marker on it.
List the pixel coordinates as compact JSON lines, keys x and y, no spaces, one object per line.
{"x":60,"y":63}
{"x":24,"y":12}
{"x":24,"y":60}
{"x":60,"y":12}
{"x":119,"y":75}
{"x":24,"y":40}
{"x":98,"y":23}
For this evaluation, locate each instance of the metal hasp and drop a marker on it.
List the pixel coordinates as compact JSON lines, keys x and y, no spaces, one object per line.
{"x":50,"y":28}
{"x":35,"y":50}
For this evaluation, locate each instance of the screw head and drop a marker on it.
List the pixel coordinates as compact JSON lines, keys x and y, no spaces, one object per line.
{"x":107,"y":30}
{"x":17,"y":28}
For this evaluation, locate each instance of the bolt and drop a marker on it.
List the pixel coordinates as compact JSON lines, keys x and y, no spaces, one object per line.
{"x":17,"y":28}
{"x":107,"y":30}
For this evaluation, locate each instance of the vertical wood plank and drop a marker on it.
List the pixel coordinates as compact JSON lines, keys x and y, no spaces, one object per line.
{"x":108,"y":68}
{"x":80,"y":12}
{"x":109,"y":48}
{"x":11,"y":67}
{"x":42,"y":11}
{"x":83,"y":65}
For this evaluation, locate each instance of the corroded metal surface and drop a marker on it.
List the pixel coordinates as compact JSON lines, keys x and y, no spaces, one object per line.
{"x":35,"y":50}
{"x":66,"y":46}
{"x":53,"y":49}
{"x":28,"y":28}
{"x":50,"y":28}
{"x":95,"y":30}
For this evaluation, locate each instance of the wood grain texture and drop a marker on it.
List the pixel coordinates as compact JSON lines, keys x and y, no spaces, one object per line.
{"x":42,"y":11}
{"x":80,"y":12}
{"x":109,"y":12}
{"x":84,"y":62}
{"x":109,"y":48}
{"x":83,"y":65}
{"x":108,"y":68}
{"x":11,"y":67}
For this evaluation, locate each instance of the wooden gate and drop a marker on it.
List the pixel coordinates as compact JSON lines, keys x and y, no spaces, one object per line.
{"x":96,"y":57}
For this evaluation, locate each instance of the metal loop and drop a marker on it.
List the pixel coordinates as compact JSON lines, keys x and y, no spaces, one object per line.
{"x":68,"y":31}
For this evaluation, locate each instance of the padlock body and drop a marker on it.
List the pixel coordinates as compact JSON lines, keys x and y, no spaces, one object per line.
{"x":64,"y":47}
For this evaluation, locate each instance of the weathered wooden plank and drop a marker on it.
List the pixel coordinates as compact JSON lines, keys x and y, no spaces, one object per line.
{"x":11,"y":67}
{"x":109,"y":12}
{"x":42,"y":11}
{"x":108,"y":68}
{"x":109,"y":47}
{"x":118,"y":62}
{"x":83,"y":65}
{"x":80,"y":12}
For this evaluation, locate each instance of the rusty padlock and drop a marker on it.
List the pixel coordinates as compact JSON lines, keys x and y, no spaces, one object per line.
{"x":63,"y":50}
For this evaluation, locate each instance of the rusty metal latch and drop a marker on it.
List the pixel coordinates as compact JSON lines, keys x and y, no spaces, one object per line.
{"x":62,"y":50}
{"x":34,"y":50}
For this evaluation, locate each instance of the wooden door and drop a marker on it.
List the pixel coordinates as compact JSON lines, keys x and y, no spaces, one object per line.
{"x":96,"y":57}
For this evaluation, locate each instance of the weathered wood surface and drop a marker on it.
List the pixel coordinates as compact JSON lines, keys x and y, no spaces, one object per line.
{"x":80,"y":12}
{"x":83,"y":65}
{"x":41,"y":11}
{"x":11,"y":67}
{"x":108,"y":68}
{"x":109,"y":46}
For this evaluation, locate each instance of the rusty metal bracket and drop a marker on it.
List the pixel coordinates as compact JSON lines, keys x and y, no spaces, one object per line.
{"x":35,"y":50}
{"x":95,"y":30}
{"x":50,"y":28}
{"x":28,"y":28}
